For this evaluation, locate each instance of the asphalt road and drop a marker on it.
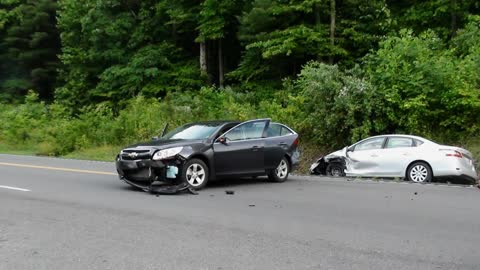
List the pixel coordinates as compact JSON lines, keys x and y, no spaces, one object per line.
{"x":67,"y":214}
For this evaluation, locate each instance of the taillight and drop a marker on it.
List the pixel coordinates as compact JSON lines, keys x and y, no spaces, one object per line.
{"x":454,"y":154}
{"x":295,"y":142}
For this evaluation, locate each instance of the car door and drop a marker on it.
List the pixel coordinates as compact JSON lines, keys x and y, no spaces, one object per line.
{"x":241,"y":149}
{"x":364,"y":158}
{"x":279,"y":142}
{"x":398,"y":153}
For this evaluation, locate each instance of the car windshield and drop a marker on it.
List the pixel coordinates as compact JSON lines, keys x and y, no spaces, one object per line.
{"x":192,"y":132}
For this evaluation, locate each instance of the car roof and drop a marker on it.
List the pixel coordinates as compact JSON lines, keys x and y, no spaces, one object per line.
{"x":215,"y":122}
{"x":401,"y":135}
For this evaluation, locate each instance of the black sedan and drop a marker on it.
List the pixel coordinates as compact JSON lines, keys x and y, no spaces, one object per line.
{"x":198,"y":152}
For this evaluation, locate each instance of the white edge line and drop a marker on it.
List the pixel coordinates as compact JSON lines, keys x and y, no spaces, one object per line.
{"x":15,"y":188}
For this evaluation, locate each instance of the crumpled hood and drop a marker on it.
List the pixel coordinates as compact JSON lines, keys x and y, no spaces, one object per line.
{"x":163,"y":144}
{"x":336,"y":154}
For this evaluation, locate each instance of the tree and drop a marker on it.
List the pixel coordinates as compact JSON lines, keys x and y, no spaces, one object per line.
{"x":29,"y":44}
{"x":281,"y":36}
{"x":217,"y":21}
{"x":442,"y":16}
{"x":120,"y":49}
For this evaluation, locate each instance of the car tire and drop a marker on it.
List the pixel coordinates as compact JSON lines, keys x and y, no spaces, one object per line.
{"x":335,"y":169}
{"x":195,"y":173}
{"x":280,"y":174}
{"x":419,"y":172}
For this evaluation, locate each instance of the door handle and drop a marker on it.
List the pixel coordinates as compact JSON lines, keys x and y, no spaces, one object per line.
{"x":374,"y":155}
{"x":256,"y":148}
{"x":283,"y":144}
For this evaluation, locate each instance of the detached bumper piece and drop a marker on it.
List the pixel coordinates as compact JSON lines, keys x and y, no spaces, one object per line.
{"x":172,"y":189}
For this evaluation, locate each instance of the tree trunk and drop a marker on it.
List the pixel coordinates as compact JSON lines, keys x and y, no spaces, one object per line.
{"x":453,"y":12}
{"x":220,"y":64}
{"x":317,"y":22}
{"x":203,"y":58}
{"x":332,"y":28}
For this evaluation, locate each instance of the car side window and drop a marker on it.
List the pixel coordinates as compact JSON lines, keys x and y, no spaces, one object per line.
{"x":225,"y":129}
{"x":418,"y":142}
{"x":274,"y":130}
{"x":370,"y":144}
{"x":246,"y":131}
{"x":396,"y":142}
{"x":285,"y":131}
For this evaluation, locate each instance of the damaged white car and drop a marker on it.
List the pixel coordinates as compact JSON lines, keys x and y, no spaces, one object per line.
{"x":402,"y":156}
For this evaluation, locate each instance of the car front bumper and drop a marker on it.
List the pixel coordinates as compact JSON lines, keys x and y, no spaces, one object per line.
{"x":142,"y":173}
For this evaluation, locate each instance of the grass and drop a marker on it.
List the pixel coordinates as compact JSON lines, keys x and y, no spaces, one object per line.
{"x":6,"y":149}
{"x":101,"y":153}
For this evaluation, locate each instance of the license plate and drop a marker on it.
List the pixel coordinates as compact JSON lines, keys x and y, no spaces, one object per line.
{"x":129,"y":165}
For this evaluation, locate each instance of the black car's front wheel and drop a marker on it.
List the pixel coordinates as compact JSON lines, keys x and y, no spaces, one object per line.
{"x":280,"y":174}
{"x":195,"y":173}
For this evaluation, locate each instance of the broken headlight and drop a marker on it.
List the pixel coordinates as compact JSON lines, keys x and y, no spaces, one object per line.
{"x":167,"y":153}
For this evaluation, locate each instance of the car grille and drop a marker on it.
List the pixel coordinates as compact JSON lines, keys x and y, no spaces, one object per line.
{"x":135,"y":154}
{"x":142,"y":175}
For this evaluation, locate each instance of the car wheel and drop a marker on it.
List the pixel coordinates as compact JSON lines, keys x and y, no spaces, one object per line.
{"x":419,"y":172}
{"x":335,"y":170}
{"x":280,"y":174}
{"x":195,"y":173}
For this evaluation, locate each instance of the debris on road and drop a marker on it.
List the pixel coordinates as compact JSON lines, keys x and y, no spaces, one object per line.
{"x":415,"y":193}
{"x":171,"y":189}
{"x":251,"y":205}
{"x":230,"y":192}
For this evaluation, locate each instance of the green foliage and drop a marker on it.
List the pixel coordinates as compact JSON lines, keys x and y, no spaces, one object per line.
{"x":339,"y":107}
{"x":29,"y":45}
{"x":125,"y":68}
{"x":426,"y":88}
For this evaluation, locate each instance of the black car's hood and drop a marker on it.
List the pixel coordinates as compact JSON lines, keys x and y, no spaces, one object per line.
{"x":164,"y":144}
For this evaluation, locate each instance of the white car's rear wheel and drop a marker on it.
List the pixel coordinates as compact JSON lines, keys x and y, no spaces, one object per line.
{"x":419,"y":172}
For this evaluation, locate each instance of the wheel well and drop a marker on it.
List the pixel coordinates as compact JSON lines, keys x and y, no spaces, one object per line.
{"x":289,"y":159}
{"x":204,"y":159}
{"x":428,"y":164}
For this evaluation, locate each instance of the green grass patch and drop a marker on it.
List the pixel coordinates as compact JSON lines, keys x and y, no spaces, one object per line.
{"x":100,"y":153}
{"x":16,"y":150}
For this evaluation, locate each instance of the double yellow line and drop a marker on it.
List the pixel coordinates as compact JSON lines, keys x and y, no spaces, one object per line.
{"x":55,"y":168}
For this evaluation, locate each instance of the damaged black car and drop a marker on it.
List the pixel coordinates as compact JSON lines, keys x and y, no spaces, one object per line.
{"x":197,"y":153}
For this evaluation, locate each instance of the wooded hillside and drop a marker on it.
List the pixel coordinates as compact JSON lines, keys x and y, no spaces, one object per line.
{"x":336,"y":70}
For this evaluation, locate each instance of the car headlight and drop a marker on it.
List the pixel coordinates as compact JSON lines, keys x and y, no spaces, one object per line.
{"x":167,"y":153}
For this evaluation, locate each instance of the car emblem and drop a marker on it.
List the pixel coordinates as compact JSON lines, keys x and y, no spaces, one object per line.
{"x":132,"y":155}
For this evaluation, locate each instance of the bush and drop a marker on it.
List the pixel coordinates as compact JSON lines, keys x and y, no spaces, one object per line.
{"x":426,"y":88}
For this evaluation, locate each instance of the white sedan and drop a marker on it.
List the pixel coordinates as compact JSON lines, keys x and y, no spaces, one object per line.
{"x":414,"y":158}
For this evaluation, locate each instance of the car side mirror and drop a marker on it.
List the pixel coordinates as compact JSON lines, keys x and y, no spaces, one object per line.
{"x":222,"y":140}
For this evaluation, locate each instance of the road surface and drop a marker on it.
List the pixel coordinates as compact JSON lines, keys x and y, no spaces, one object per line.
{"x":67,"y":214}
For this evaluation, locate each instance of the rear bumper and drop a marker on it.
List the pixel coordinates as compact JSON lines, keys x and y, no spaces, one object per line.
{"x":456,"y":170}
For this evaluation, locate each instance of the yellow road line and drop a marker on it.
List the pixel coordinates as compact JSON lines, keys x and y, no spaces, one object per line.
{"x":55,"y":168}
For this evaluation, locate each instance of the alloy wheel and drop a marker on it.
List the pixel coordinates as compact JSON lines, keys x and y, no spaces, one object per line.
{"x":282,"y":169}
{"x":419,"y":174}
{"x":336,"y":172}
{"x":195,"y":174}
